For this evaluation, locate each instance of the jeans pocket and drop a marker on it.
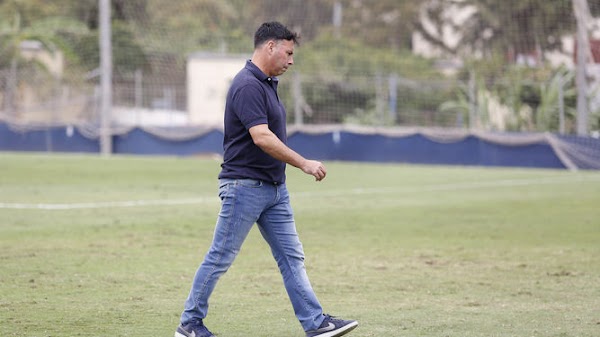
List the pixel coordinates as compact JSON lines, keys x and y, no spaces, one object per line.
{"x":223,"y":189}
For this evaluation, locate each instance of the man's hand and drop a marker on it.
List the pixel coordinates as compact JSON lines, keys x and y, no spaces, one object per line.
{"x":268,"y":142}
{"x":314,"y":168}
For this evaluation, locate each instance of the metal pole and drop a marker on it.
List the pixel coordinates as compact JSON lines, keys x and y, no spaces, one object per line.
{"x":393,"y":97}
{"x":138,"y":96}
{"x":337,"y":18}
{"x":472,"y":101}
{"x":380,"y":99}
{"x":105,"y":77}
{"x":11,"y":90}
{"x":298,"y":100}
{"x":561,"y":105}
{"x":581,"y":9}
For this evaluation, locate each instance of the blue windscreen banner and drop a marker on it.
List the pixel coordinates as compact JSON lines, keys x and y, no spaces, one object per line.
{"x":339,"y":143}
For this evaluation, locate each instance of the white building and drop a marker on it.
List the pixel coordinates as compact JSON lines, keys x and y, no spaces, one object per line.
{"x":208,"y":79}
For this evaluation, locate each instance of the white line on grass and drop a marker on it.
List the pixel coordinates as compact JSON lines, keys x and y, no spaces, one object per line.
{"x":467,"y":185}
{"x":329,"y":193}
{"x":105,"y":204}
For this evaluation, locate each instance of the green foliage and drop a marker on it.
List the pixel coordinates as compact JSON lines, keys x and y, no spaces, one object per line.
{"x":341,"y":57}
{"x":460,"y":105}
{"x":128,"y":56}
{"x":52,"y":33}
{"x":548,"y":111}
{"x":27,"y":24}
{"x":189,"y":26}
{"x":345,"y":80}
{"x":530,"y":93}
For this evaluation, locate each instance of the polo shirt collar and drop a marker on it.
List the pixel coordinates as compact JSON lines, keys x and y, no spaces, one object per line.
{"x":259,"y":74}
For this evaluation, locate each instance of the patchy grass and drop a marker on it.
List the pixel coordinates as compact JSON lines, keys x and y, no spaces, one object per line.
{"x":406,"y":250}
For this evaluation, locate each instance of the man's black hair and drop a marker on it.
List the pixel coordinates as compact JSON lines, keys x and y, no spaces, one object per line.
{"x":274,"y":31}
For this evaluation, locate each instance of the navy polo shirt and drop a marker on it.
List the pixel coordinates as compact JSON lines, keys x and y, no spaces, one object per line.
{"x":252,"y":100}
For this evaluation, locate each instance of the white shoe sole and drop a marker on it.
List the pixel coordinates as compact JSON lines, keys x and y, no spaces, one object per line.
{"x":341,"y":331}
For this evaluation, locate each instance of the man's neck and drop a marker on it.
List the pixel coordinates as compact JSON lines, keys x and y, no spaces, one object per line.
{"x":260,"y":63}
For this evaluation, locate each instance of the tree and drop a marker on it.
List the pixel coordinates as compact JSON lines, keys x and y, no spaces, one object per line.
{"x":379,"y":23}
{"x":342,"y":80}
{"x":49,"y":34}
{"x":187,"y":26}
{"x":376,"y":23}
{"x":511,"y":27}
{"x":307,"y":17}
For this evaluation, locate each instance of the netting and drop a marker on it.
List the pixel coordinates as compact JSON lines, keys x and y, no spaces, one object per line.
{"x":480,"y":65}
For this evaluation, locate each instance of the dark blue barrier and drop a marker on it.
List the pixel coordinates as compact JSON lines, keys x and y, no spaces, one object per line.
{"x":534,"y":155}
{"x":138,"y":141}
{"x":543,"y":151}
{"x":418,"y":149}
{"x":55,"y":139}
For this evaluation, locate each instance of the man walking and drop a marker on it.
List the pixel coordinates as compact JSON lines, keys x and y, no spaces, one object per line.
{"x":252,"y":189}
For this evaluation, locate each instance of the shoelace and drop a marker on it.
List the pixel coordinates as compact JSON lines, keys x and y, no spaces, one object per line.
{"x":329,"y":318}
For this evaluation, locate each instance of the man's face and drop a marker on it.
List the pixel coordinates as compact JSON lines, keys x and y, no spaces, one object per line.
{"x":282,"y":56}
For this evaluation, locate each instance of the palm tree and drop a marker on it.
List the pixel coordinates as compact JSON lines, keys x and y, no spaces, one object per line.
{"x":49,"y":34}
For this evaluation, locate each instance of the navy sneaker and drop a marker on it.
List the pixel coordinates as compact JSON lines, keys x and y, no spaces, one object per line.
{"x":332,"y":327}
{"x":193,"y":329}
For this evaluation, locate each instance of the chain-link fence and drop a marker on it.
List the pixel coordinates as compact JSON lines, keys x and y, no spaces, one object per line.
{"x":480,"y":64}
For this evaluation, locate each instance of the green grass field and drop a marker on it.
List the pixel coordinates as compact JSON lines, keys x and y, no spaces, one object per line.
{"x":93,"y":246}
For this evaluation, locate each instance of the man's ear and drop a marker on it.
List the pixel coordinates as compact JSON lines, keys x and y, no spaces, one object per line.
{"x":270,"y":45}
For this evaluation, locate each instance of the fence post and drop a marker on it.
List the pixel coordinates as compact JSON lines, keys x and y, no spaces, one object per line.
{"x":379,"y":99}
{"x":561,"y":105}
{"x":582,"y":13}
{"x":105,"y":77}
{"x":11,"y":89}
{"x":138,"y":95}
{"x":472,"y":101}
{"x":298,"y":100}
{"x":393,"y":97}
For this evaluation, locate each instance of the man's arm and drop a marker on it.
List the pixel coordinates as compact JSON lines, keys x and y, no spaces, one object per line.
{"x":268,"y":142}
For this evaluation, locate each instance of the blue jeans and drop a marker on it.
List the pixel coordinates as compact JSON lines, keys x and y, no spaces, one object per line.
{"x":243,"y":203}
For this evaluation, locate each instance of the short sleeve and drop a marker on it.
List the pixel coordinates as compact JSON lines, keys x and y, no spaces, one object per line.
{"x":250,"y":106}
